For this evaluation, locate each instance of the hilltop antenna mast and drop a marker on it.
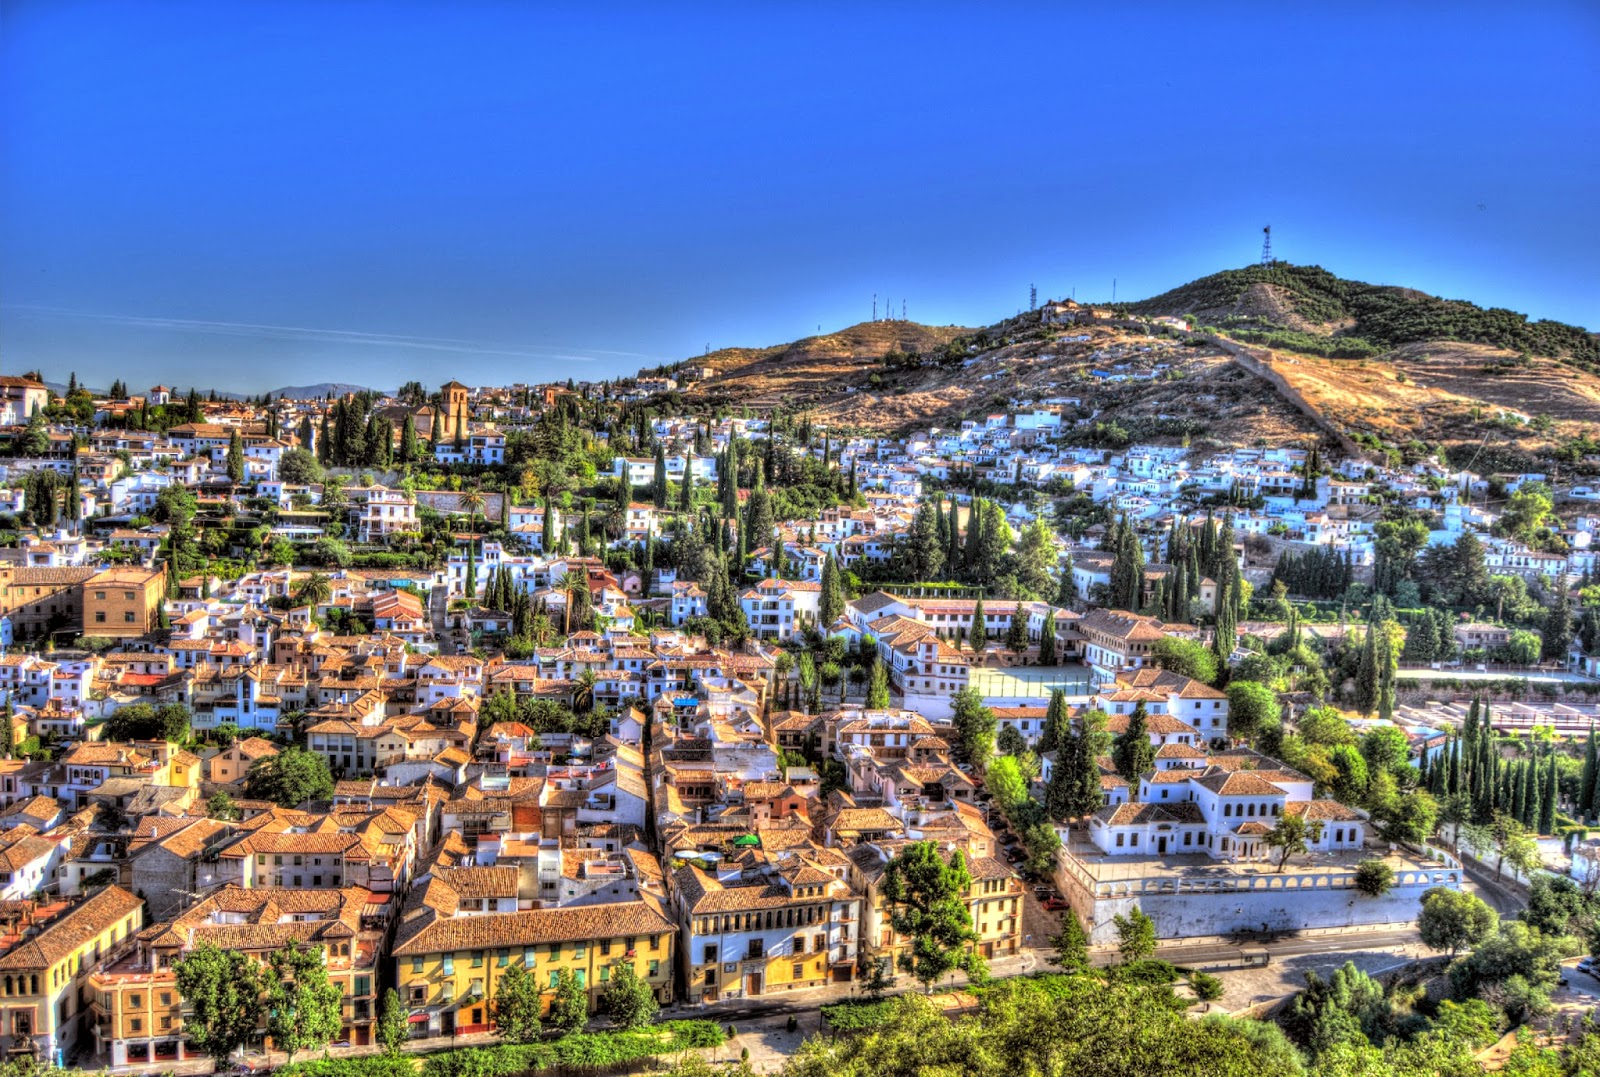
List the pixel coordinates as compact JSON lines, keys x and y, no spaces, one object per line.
{"x":1113,"y":289}
{"x":874,"y":306}
{"x":902,"y":310}
{"x":1266,"y":246}
{"x":1033,"y":297}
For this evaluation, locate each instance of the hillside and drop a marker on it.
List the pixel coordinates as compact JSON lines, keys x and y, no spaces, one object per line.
{"x":893,"y":377}
{"x":1281,"y":353}
{"x":318,"y":391}
{"x":1359,"y":319}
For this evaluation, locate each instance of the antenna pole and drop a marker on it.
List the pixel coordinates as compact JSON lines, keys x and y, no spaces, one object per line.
{"x":1266,"y":246}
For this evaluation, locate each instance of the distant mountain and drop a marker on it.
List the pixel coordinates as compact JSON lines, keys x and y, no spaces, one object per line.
{"x":1356,"y":320}
{"x":321,"y":389}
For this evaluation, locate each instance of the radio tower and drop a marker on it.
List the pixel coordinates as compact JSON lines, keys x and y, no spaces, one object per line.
{"x":874,"y":306}
{"x":1033,"y":297}
{"x":1266,"y":246}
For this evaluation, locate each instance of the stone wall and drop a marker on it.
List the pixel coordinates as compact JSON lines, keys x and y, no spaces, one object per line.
{"x":1199,"y":904}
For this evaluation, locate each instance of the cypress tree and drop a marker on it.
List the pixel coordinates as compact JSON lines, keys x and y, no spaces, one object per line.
{"x":1066,"y":586}
{"x":1055,"y":722}
{"x":1047,"y":640}
{"x":1017,"y":632}
{"x":235,"y":456}
{"x":830,"y":605}
{"x":1547,"y":802}
{"x":1367,"y":673}
{"x":658,"y":485}
{"x":410,"y":451}
{"x":1586,"y":779}
{"x":979,"y":630}
{"x":952,"y":559}
{"x":972,"y":554}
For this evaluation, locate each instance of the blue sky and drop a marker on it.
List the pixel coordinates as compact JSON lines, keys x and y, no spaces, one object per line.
{"x":249,"y":195}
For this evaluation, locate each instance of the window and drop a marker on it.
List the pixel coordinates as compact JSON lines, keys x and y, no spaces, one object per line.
{"x":136,"y":1000}
{"x":799,"y":971}
{"x":711,"y":954}
{"x":418,"y":994}
{"x":555,"y":975}
{"x":503,"y":958}
{"x":477,"y":959}
{"x":135,"y":1025}
{"x":127,"y":596}
{"x":416,"y":964}
{"x":449,"y":964}
{"x":127,"y":618}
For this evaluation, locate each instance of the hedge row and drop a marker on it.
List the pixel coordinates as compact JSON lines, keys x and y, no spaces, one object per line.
{"x":857,"y":1016}
{"x":361,"y":1066}
{"x":578,"y":1049}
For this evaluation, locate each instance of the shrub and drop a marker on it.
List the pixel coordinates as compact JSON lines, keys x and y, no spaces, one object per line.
{"x":1207,"y":988}
{"x":577,"y":1049}
{"x":364,"y":1066}
{"x":857,"y":1016}
{"x":1374,"y":878}
{"x":1149,"y":972}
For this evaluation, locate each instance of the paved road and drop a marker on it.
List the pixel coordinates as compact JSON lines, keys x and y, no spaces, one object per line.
{"x":438,"y":610}
{"x":1295,"y":946}
{"x":1506,"y":898}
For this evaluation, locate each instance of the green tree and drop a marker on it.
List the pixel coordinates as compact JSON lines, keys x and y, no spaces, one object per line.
{"x":975,"y":726}
{"x":1136,"y":935}
{"x":569,"y":1010}
{"x":627,"y":999}
{"x":305,"y":1010}
{"x":221,"y":806}
{"x":1071,"y":945}
{"x":830,"y":605}
{"x":1385,"y":748}
{"x":1047,"y":640}
{"x":292,"y":777}
{"x":927,"y":904}
{"x":394,"y":1020}
{"x":1186,"y":656}
{"x":1250,"y":706}
{"x":315,"y":590}
{"x":1133,"y":753}
{"x":1374,"y":878}
{"x":978,"y":630}
{"x":222,"y":990}
{"x":517,"y":1005}
{"x":1290,"y":835}
{"x":410,"y":445}
{"x":1035,"y":556}
{"x":35,"y":440}
{"x":299,"y":466}
{"x":235,"y":458}
{"x":1004,"y":779}
{"x":1453,"y":920}
{"x":1017,"y":631}
{"x":878,"y":685}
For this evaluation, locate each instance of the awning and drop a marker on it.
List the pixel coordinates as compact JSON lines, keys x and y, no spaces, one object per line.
{"x":418,"y":1019}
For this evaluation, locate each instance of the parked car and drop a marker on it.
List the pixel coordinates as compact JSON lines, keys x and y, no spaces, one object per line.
{"x":1054,"y":904}
{"x":1043,"y":890}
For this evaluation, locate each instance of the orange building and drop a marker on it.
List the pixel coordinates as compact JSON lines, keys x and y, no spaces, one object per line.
{"x":123,"y":601}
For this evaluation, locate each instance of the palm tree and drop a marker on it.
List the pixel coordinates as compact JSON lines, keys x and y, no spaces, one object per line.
{"x":583,"y":692}
{"x":315,"y":590}
{"x":473,"y":501}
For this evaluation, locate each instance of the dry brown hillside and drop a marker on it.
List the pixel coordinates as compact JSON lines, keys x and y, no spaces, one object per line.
{"x":843,"y":378}
{"x":1450,"y":394}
